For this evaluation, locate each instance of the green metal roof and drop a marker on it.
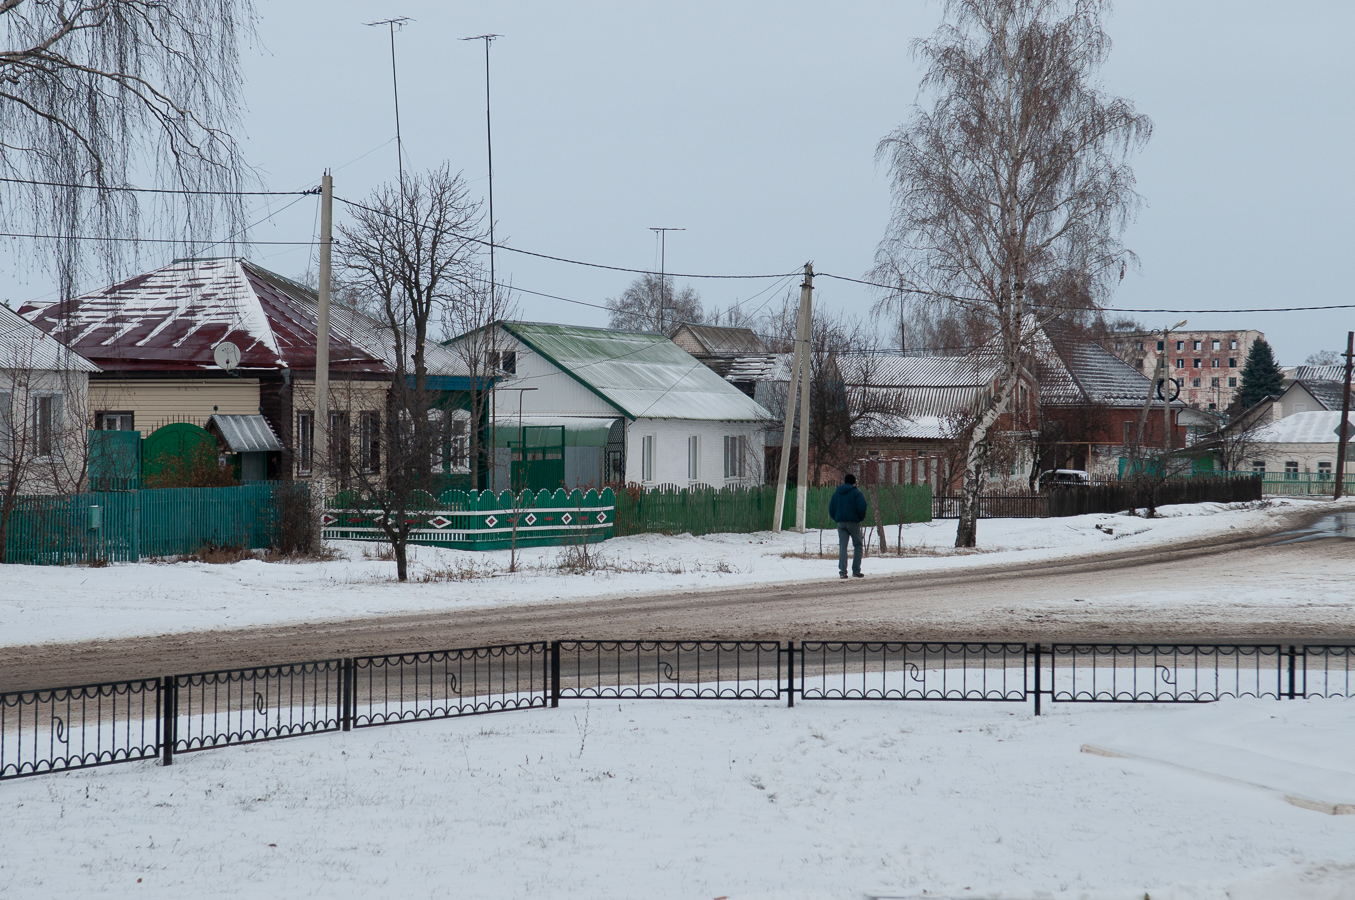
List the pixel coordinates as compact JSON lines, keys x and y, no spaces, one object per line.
{"x":643,"y":375}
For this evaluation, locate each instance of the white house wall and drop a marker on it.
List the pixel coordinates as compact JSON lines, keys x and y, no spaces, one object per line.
{"x":1307,"y":455}
{"x":670,"y":451}
{"x":556,"y":394}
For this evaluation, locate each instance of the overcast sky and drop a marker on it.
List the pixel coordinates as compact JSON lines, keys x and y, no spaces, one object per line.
{"x":754,"y":126}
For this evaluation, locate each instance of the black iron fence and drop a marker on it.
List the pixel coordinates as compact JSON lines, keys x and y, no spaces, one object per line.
{"x":99,"y":724}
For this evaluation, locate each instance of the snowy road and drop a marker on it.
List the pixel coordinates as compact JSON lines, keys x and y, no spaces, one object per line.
{"x":1233,"y":581}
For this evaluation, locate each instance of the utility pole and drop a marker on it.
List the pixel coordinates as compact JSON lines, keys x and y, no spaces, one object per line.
{"x":489,"y":147}
{"x":802,"y":474}
{"x":799,"y":364}
{"x":320,"y":445}
{"x":1343,"y":445}
{"x":663,"y":266}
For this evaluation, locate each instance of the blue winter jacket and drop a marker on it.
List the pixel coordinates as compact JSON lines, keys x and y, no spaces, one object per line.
{"x":847,"y":506}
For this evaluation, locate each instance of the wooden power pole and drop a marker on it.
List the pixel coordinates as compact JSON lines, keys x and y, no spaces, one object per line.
{"x":1343,"y":428}
{"x":799,"y":380}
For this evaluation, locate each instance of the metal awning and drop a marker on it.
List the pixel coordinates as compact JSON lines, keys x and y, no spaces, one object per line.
{"x":246,"y":434}
{"x":579,"y":431}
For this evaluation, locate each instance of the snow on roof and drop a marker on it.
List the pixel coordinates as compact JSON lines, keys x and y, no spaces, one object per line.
{"x":25,"y":346}
{"x":1317,"y":427}
{"x":1328,"y":393}
{"x":771,"y":367}
{"x":171,"y":319}
{"x":643,"y":375}
{"x":929,"y":427}
{"x":1073,"y":370}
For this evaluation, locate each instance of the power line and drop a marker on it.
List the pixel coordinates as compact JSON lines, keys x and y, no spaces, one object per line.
{"x":90,"y":237}
{"x":137,"y":190}
{"x":894,"y":287}
{"x":563,"y":259}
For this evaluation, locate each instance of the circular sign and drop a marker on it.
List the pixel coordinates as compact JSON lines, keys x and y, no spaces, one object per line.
{"x":227,"y":355}
{"x":1174,"y":391}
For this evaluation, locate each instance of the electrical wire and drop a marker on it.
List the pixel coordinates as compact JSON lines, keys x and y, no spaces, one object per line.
{"x":180,"y":191}
{"x":894,"y":287}
{"x":563,"y":259}
{"x":85,"y":237}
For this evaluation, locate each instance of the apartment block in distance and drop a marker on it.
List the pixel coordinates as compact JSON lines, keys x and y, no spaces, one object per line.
{"x":1208,"y":364}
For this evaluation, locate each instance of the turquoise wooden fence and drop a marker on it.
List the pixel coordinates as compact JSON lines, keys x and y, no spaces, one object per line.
{"x":126,"y":526}
{"x":1308,"y":484}
{"x":481,"y":520}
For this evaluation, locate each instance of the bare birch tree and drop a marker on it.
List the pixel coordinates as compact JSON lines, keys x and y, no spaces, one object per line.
{"x":652,"y":303}
{"x":96,"y":92}
{"x":1013,"y":171}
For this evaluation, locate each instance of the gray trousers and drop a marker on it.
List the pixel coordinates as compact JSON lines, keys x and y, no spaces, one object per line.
{"x":847,"y":530}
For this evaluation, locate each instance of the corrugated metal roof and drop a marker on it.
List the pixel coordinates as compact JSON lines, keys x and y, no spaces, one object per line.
{"x":172,"y":319}
{"x":25,"y":346}
{"x":898,"y":370}
{"x":246,"y":434}
{"x":1074,"y":371}
{"x":717,"y":340}
{"x":1317,"y":427}
{"x":772,"y":367}
{"x":643,"y":375}
{"x":1320,"y":373}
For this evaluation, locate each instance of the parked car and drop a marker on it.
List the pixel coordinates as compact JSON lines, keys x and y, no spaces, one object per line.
{"x":1061,"y":478}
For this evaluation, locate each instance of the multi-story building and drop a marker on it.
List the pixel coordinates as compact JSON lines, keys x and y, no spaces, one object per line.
{"x":1208,"y":364}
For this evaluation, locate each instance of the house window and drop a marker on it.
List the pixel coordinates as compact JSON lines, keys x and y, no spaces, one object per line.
{"x":369,"y":441}
{"x":339,"y":444}
{"x":1215,"y":345}
{"x":1180,"y":364}
{"x":1159,"y":346}
{"x":1140,"y":345}
{"x":1323,"y":471}
{"x":647,"y":458}
{"x":1197,"y":346}
{"x":736,"y":452}
{"x":1232,"y":362}
{"x":1180,"y":345}
{"x":1195,"y":382}
{"x":305,"y":441}
{"x":1232,"y":382}
{"x":1199,"y":363}
{"x":693,"y":458}
{"x":1291,"y":470}
{"x":46,"y":420}
{"x":1258,"y":466}
{"x":1232,"y":345}
{"x":503,"y":361}
{"x":1213,"y":406}
{"x":114,"y":421}
{"x":1213,"y":364}
{"x":1127,"y":425}
{"x":458,"y":440}
{"x":1213,"y":382}
{"x":1140,"y":365}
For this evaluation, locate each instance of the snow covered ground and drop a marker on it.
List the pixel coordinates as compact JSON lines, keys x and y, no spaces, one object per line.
{"x":713,"y":800}
{"x":48,"y":604}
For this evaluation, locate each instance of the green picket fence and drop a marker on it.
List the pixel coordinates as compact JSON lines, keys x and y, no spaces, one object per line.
{"x":738,"y":510}
{"x":481,"y":520}
{"x":126,"y":526}
{"x":1313,"y":484}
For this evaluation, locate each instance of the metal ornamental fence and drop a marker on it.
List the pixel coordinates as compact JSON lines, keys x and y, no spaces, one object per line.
{"x":78,"y":727}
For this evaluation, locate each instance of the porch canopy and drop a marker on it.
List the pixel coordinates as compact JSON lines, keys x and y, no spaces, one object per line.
{"x":540,"y":431}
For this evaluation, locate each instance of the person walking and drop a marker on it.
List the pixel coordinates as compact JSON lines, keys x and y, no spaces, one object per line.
{"x":848,"y":508}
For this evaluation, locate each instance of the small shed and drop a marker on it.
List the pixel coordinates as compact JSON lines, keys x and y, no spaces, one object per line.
{"x":251,"y":438}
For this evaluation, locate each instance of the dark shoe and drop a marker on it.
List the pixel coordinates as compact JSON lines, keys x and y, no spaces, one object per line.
{"x":856,"y":575}
{"x":842,"y":575}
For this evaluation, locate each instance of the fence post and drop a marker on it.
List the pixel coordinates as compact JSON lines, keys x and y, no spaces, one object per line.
{"x":136,"y":526}
{"x":1037,"y":679}
{"x":169,"y":717}
{"x":346,"y":676}
{"x":554,"y":674}
{"x":1291,"y":671}
{"x":790,"y":674}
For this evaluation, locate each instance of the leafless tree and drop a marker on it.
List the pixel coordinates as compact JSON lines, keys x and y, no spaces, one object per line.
{"x":485,"y":351}
{"x":1014,"y":172}
{"x":410,"y":254}
{"x":653,"y":304}
{"x":44,"y":417}
{"x":1324,"y":358}
{"x":95,"y":92}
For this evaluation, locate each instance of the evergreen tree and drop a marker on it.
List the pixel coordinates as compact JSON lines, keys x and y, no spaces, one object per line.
{"x":1261,"y":376}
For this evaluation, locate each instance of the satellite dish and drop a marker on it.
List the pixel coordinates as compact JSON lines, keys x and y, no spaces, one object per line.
{"x":227,"y":355}
{"x":1173,"y":391}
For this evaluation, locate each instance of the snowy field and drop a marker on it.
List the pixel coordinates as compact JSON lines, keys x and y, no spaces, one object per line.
{"x":713,"y":800}
{"x":47,"y":604}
